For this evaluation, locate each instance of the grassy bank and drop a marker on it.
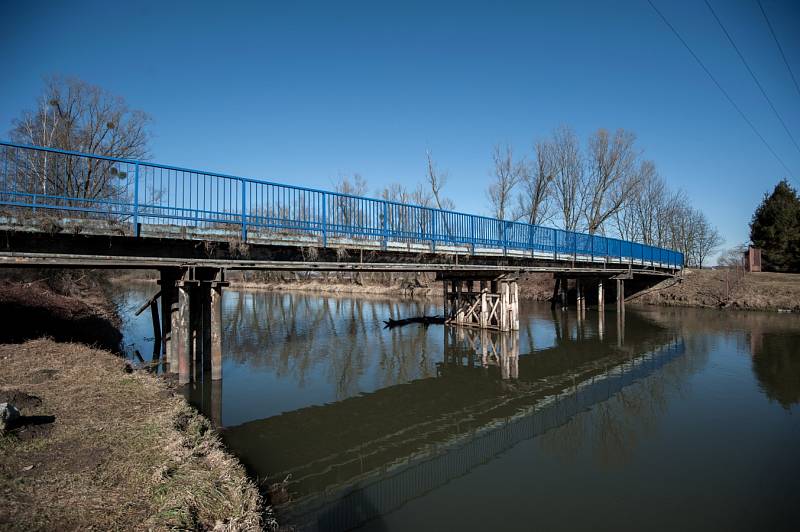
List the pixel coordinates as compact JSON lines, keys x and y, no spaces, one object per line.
{"x":103,"y":447}
{"x":726,"y":290}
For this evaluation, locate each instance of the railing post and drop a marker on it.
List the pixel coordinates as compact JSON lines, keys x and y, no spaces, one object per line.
{"x":473,"y":237}
{"x":136,"y":230}
{"x":244,"y":210}
{"x":574,"y":246}
{"x":324,"y":220}
{"x":505,"y":236}
{"x":385,"y":225}
{"x":555,"y":244}
{"x":433,"y":231}
{"x":531,"y":232}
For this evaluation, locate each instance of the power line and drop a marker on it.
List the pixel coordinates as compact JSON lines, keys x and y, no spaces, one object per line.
{"x":722,"y":90}
{"x":780,"y":48}
{"x":753,"y":75}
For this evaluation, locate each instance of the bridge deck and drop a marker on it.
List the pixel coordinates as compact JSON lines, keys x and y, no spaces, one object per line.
{"x":48,"y":190}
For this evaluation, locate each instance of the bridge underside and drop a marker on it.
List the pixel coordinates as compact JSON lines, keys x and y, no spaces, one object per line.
{"x":58,"y":249}
{"x":480,"y":289}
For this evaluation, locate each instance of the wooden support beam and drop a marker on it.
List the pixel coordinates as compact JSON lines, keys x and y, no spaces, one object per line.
{"x":148,"y":303}
{"x":459,"y":303}
{"x":484,"y":307}
{"x":156,"y":321}
{"x":514,"y":306}
{"x":504,"y":306}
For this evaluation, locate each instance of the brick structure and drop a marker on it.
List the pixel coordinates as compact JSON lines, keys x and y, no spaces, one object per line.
{"x":752,"y":259}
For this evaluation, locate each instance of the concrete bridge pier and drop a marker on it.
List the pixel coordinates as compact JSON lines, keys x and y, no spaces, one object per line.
{"x":193,"y":341}
{"x":601,"y":304}
{"x":170,"y":331}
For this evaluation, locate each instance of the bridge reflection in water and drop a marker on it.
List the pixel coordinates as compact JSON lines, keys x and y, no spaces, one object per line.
{"x":363,"y":456}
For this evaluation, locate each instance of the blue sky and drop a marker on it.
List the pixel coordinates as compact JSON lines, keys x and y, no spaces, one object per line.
{"x":302,"y":92}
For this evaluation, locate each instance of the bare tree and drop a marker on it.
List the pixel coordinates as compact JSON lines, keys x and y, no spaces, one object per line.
{"x":533,"y":202}
{"x":627,"y":224}
{"x":708,"y":239}
{"x":680,"y":223}
{"x":506,"y":175}
{"x":76,"y":116}
{"x":647,"y":206}
{"x":613,"y":175}
{"x":436,"y":181}
{"x":348,"y":207}
{"x":568,"y":176}
{"x":733,"y":258}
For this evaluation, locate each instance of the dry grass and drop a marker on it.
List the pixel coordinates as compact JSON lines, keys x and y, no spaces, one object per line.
{"x":124,"y":452}
{"x":712,"y":288}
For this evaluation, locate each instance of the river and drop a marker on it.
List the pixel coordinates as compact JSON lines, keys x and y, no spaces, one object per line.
{"x":666,"y":419}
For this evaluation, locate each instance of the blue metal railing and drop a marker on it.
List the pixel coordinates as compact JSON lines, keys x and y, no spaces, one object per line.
{"x":144,"y":193}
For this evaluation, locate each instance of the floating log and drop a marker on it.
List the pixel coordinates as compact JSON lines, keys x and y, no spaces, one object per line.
{"x":425,"y":320}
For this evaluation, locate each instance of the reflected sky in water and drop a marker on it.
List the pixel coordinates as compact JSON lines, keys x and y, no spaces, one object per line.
{"x":670,"y":418}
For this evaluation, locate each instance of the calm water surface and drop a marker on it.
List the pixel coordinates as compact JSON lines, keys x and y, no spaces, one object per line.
{"x":668,"y":419}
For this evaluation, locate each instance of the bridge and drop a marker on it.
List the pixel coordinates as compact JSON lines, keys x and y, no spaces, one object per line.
{"x":65,"y":209}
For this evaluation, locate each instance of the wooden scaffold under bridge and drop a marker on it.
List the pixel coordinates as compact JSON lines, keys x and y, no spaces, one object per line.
{"x":484,"y":302}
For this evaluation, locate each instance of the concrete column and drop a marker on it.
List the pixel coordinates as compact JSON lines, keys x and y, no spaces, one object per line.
{"x":564,"y":293}
{"x":556,"y":293}
{"x":196,"y":317}
{"x":183,"y":328}
{"x":169,"y":299}
{"x":600,"y":296}
{"x":216,"y":332}
{"x":620,"y":295}
{"x":175,"y":336}
{"x":446,"y":300}
{"x":206,"y":323}
{"x":216,"y":403}
{"x":601,"y":325}
{"x":578,"y":296}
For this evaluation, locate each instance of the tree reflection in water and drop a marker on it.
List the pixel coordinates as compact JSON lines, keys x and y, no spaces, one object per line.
{"x":408,"y":408}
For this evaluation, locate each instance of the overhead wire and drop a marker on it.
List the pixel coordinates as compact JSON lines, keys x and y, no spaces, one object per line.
{"x":753,"y":75}
{"x":780,"y":48}
{"x":721,"y":89}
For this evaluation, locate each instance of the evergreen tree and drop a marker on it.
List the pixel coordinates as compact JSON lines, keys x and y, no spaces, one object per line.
{"x":775,"y":229}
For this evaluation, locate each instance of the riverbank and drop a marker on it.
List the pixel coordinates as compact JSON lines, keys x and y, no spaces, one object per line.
{"x":718,"y":289}
{"x":535,"y":287}
{"x":723,"y":289}
{"x":100,"y":446}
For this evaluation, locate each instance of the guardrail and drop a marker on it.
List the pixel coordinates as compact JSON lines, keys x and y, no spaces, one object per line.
{"x":145,"y":193}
